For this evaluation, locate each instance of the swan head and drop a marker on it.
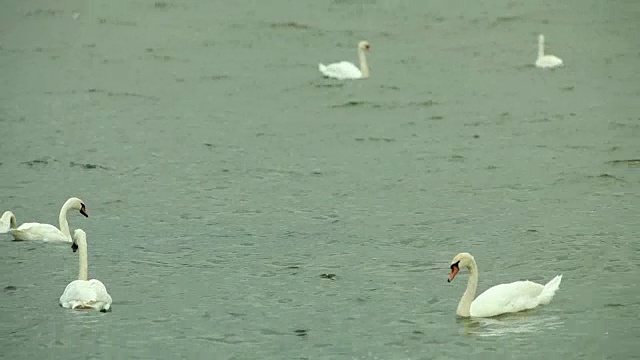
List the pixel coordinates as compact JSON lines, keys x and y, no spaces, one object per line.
{"x":364,"y":46}
{"x":77,"y":204}
{"x":462,"y":260}
{"x":79,"y":238}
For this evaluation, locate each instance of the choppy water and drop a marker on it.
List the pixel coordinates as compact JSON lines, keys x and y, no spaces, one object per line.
{"x":223,"y":176}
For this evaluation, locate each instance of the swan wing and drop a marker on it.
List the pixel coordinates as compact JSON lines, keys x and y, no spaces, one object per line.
{"x":83,"y":294}
{"x":342,"y":70}
{"x":548,"y":62}
{"x":38,"y":231}
{"x":507,"y":298}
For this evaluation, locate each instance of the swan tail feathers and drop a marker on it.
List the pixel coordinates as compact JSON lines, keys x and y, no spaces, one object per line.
{"x":549,"y":290}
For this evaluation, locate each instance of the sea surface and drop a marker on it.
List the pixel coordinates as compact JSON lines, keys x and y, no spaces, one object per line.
{"x":241,"y":206}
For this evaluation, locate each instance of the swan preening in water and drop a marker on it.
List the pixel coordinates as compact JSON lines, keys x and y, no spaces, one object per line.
{"x":546,"y":61}
{"x":7,"y":222}
{"x":500,"y":299}
{"x":83,"y":293}
{"x":345,"y":70}
{"x":46,"y":232}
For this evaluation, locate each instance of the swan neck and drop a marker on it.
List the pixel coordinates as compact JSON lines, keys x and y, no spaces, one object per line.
{"x":62,"y":218}
{"x":9,"y":217}
{"x":83,"y":273}
{"x":464,"y":307}
{"x":540,"y":46}
{"x":364,"y":66}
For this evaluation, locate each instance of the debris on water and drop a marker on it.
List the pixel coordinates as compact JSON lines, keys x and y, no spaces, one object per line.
{"x":628,"y":162}
{"x":328,"y":276}
{"x":88,"y":166}
{"x":38,"y":162}
{"x":290,"y":25}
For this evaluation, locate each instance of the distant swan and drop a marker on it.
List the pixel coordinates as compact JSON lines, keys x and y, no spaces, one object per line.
{"x":500,"y":299}
{"x":345,"y":70}
{"x":7,"y":221}
{"x":546,"y":61}
{"x":46,"y":232}
{"x":82,"y":293}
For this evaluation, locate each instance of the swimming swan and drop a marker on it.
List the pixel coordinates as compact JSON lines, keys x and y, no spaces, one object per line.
{"x":7,"y":222}
{"x":345,"y":70}
{"x":546,"y":61}
{"x":46,"y":232}
{"x":82,"y":293}
{"x":500,"y":299}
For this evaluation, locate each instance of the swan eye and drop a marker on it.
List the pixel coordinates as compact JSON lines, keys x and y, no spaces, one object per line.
{"x":74,"y":247}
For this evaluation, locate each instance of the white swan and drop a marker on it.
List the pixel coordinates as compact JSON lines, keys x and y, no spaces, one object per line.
{"x":46,"y":232}
{"x":500,"y":299}
{"x":345,"y":70}
{"x":82,"y":293}
{"x":7,"y":222}
{"x":546,"y":61}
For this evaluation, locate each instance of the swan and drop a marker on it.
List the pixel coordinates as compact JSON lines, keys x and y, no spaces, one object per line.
{"x":546,"y":61}
{"x":7,"y":222}
{"x":345,"y":70}
{"x":46,"y":232}
{"x":84,"y":294}
{"x":500,"y":299}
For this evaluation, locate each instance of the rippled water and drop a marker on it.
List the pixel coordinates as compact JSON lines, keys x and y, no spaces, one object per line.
{"x":227,"y":182}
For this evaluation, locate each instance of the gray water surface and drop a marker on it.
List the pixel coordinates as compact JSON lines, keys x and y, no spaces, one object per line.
{"x":223,"y":176}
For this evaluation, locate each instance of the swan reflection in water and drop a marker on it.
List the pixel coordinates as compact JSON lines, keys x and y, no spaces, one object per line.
{"x":509,"y":324}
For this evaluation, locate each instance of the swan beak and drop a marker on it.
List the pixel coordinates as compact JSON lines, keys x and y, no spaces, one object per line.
{"x":83,"y":211}
{"x":454,"y":271}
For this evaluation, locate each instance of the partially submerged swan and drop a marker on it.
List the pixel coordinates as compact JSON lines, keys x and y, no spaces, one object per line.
{"x":345,"y":70}
{"x":47,"y":232}
{"x":7,"y":222}
{"x":82,"y":293}
{"x":500,"y":299}
{"x":546,"y":61}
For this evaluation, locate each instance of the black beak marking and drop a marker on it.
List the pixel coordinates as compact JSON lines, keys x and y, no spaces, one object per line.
{"x":83,"y":211}
{"x":74,"y":247}
{"x":453,"y":267}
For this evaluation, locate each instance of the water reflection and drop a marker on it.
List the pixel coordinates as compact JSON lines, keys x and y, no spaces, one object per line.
{"x":508,"y":324}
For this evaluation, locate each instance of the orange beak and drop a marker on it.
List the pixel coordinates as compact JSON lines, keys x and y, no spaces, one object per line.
{"x":454,"y":271}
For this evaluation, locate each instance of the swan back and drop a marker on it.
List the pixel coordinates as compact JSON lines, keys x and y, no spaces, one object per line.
{"x":514,"y":297}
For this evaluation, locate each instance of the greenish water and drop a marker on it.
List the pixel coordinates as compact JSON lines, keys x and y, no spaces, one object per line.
{"x":223,"y":175}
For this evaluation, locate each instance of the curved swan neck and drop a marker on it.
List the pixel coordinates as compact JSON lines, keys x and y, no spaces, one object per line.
{"x":62,"y":218}
{"x":540,"y":46}
{"x":83,"y":273}
{"x":10,"y":217}
{"x":364,"y":67}
{"x":464,"y":307}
